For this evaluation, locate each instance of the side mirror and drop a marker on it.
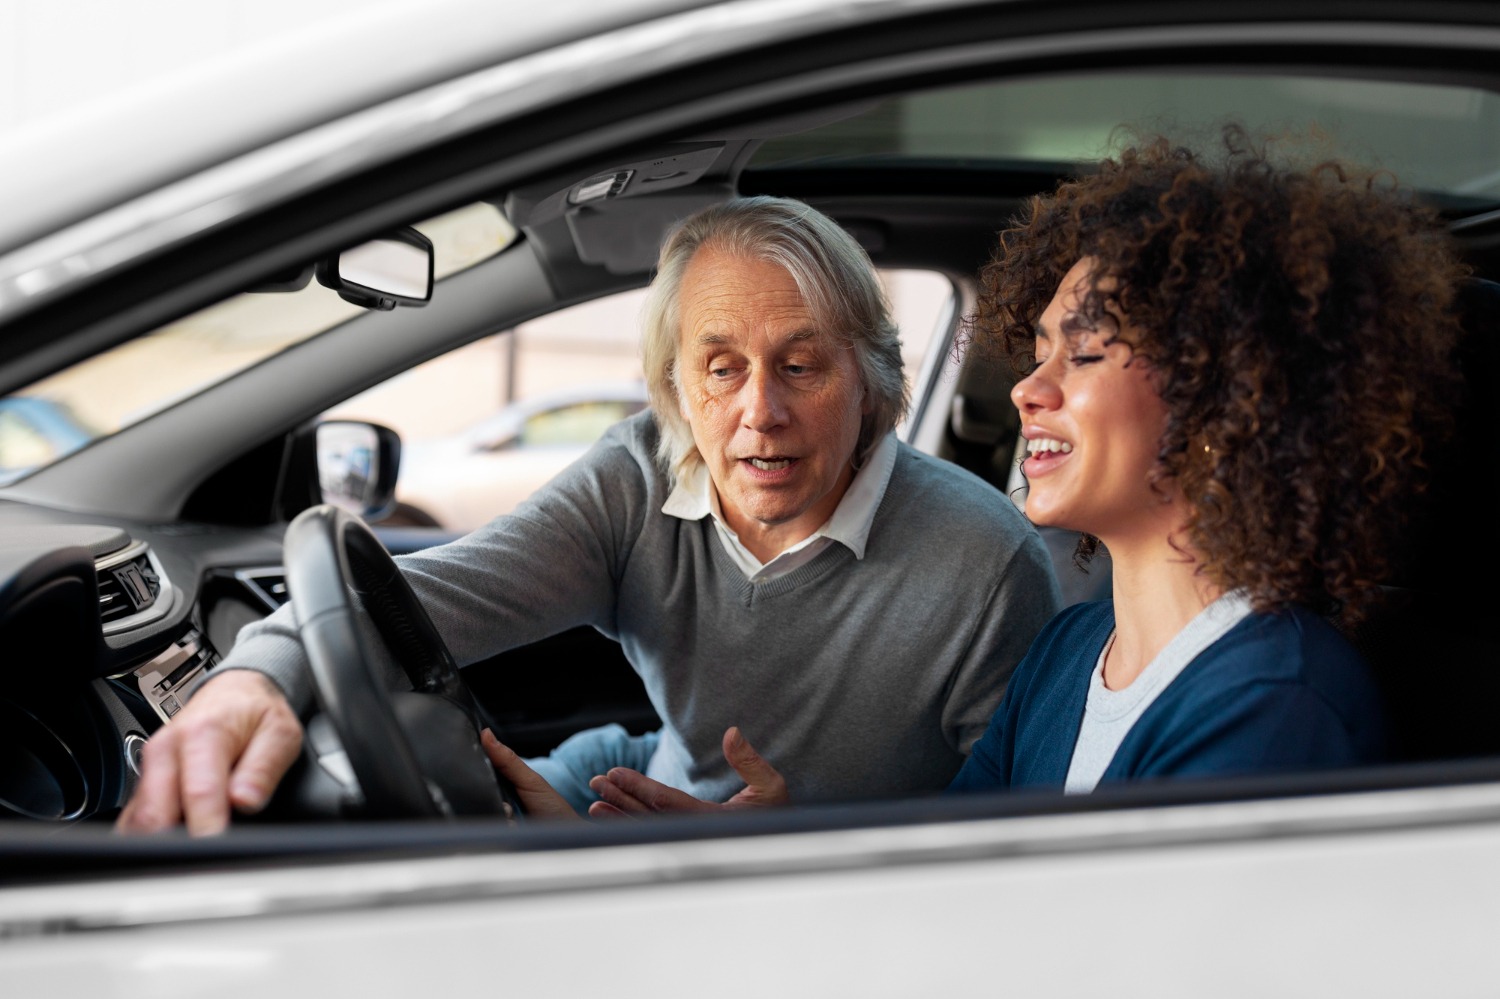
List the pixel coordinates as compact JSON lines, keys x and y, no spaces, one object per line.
{"x":349,"y":464}
{"x":393,"y":270}
{"x":357,"y":467}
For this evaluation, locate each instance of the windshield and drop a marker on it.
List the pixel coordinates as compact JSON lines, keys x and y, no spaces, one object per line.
{"x":106,"y":393}
{"x":1443,"y":140}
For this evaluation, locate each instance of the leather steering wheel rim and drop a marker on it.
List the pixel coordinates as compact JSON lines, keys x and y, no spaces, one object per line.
{"x":332,"y":560}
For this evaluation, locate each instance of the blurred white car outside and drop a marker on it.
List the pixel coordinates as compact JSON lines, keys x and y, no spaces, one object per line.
{"x":466,"y":479}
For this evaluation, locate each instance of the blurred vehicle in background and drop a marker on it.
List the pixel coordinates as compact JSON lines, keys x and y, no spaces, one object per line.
{"x":35,"y":432}
{"x":462,"y":481}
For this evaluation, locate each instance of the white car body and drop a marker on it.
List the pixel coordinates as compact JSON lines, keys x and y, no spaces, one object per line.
{"x":1387,"y":892}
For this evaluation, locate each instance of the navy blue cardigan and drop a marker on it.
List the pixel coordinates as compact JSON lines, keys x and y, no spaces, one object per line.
{"x":1279,"y":691}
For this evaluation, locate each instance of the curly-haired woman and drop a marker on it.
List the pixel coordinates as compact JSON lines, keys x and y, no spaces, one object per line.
{"x":1236,"y":367}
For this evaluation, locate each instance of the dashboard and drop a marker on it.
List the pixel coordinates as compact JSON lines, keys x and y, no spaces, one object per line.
{"x":105,"y":626}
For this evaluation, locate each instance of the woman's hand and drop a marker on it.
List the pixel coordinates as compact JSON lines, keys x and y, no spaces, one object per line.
{"x":537,"y":796}
{"x":629,"y":793}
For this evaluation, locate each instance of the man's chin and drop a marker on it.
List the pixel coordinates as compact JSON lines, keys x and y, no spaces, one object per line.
{"x":772,"y":510}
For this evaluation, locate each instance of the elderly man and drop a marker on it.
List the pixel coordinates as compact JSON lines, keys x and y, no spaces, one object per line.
{"x":772,"y":560}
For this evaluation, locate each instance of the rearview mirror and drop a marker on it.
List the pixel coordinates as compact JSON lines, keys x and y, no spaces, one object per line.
{"x":393,"y":270}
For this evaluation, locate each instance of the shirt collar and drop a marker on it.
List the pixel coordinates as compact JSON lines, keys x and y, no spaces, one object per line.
{"x":693,"y":497}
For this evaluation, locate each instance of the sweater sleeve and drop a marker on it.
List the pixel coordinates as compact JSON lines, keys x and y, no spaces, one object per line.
{"x":1022,"y":602}
{"x":551,"y":565}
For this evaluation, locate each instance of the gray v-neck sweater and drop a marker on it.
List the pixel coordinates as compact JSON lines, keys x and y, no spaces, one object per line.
{"x":856,"y":678}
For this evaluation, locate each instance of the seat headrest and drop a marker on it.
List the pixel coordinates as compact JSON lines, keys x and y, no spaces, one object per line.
{"x":1449,"y":547}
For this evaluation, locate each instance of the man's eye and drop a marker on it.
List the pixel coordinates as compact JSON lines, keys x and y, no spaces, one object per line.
{"x":796,"y":369}
{"x":721,"y":372}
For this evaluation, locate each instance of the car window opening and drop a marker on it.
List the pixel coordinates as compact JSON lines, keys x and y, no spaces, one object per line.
{"x":484,"y":426}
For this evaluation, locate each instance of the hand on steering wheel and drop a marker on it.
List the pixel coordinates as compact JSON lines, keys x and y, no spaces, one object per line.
{"x":413,"y":754}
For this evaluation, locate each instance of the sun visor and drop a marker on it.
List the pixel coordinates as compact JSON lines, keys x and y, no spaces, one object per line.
{"x":617,"y":217}
{"x":625,"y":237}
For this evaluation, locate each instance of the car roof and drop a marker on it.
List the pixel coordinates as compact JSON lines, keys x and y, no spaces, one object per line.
{"x":67,"y":166}
{"x":118,"y":181}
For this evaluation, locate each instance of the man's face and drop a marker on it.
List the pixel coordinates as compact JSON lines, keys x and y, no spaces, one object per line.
{"x":774,"y":402}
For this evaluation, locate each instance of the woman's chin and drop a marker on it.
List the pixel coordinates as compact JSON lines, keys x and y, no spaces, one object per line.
{"x":1046,"y":514}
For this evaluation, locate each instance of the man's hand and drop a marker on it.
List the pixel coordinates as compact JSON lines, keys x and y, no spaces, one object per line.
{"x":627,"y":792}
{"x":229,"y":747}
{"x":537,"y":796}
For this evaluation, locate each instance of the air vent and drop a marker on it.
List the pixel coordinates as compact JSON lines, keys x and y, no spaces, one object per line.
{"x":132,"y":589}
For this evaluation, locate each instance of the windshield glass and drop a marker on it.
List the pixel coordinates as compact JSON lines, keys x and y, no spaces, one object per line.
{"x":106,"y":393}
{"x":1443,"y":140}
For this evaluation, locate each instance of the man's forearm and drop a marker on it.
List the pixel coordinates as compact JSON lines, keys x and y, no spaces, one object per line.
{"x":544,"y":568}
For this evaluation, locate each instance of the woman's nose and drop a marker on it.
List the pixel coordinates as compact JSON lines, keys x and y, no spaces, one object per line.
{"x":765,"y":407}
{"x":1036,"y":392}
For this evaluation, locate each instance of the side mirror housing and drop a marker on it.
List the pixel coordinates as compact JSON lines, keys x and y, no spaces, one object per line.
{"x":347,"y":463}
{"x":395,"y":269}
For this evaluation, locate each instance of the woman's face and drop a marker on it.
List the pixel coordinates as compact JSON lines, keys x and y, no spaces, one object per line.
{"x":1092,"y":420}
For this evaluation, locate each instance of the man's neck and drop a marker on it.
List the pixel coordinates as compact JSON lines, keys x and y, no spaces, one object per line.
{"x":766,"y":541}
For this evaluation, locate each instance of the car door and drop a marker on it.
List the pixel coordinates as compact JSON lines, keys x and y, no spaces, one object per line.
{"x":1377,"y":882}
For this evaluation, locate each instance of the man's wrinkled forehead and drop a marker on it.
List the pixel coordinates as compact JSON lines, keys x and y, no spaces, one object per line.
{"x":724,"y":299}
{"x":718,"y":337}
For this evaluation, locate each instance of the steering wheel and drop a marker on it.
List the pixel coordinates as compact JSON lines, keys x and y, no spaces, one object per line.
{"x":413,"y":754}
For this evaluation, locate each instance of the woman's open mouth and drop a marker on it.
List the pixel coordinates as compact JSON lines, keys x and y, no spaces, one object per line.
{"x":1044,"y":453}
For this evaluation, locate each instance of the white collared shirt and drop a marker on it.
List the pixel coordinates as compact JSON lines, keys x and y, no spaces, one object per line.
{"x":694,"y":497}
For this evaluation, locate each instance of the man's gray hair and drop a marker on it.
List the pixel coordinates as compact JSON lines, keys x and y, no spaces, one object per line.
{"x":836,"y":279}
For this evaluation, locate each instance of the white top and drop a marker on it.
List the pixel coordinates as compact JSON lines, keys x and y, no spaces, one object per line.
{"x":1109,"y":715}
{"x":694,"y":497}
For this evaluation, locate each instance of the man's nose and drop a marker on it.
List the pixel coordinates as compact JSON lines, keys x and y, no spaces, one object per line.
{"x":765,"y":405}
{"x":1037,"y":392}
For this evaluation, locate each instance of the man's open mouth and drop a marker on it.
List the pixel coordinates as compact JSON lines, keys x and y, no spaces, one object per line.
{"x":771,"y":464}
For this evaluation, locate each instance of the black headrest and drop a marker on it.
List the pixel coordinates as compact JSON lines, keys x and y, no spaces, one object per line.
{"x":1450,"y":550}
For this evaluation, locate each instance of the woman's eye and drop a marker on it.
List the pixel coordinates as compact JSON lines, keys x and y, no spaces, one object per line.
{"x":1082,"y":359}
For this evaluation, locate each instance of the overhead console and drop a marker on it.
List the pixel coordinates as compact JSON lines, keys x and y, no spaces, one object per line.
{"x":591,"y":227}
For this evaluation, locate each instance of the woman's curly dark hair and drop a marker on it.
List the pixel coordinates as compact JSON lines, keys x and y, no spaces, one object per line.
{"x":1301,"y":323}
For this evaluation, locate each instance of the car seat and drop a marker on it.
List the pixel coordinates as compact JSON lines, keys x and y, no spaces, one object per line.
{"x":1430,"y":638}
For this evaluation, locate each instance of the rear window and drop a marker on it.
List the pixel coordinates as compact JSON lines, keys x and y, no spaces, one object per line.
{"x":1443,"y":140}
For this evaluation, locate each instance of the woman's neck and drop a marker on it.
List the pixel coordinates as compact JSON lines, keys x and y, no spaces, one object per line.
{"x":1157,"y":591}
